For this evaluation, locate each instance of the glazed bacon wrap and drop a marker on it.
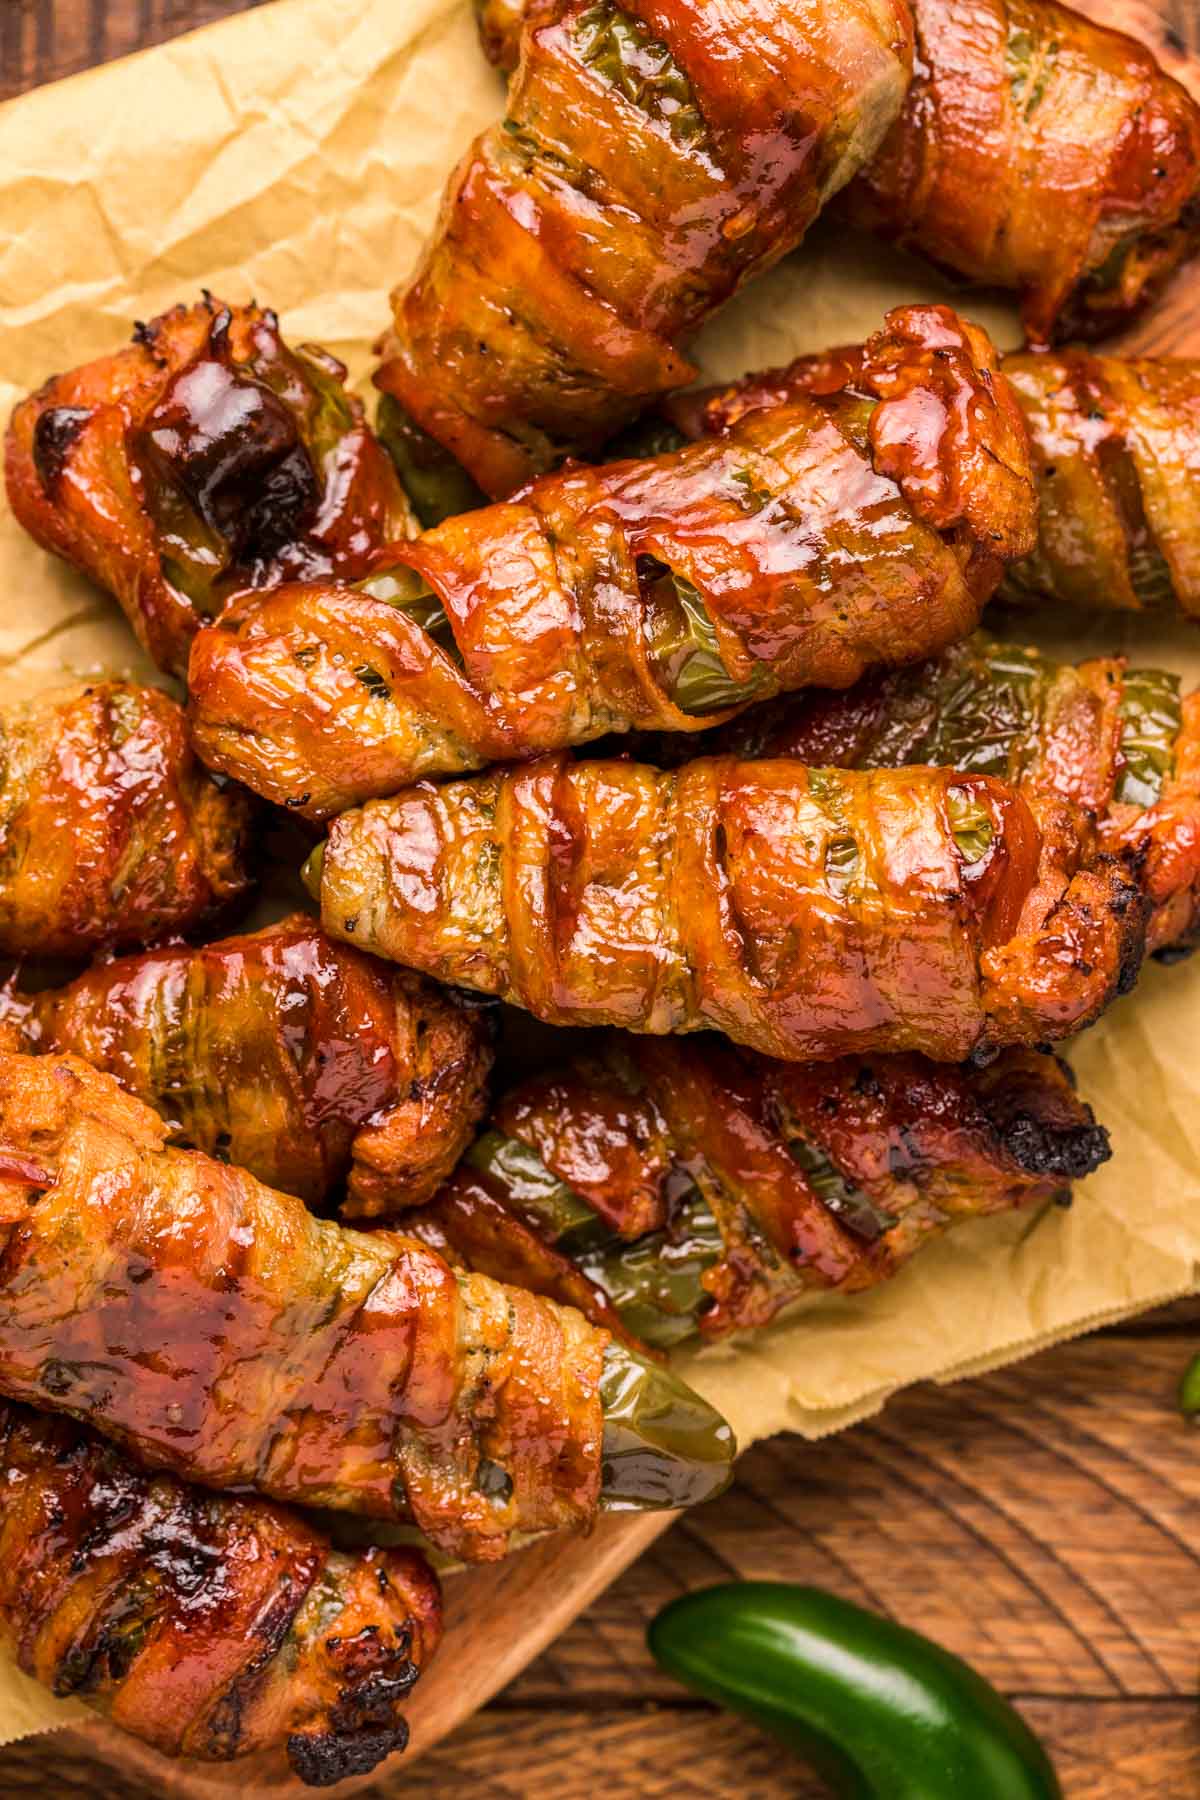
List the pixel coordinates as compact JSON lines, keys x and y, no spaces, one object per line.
{"x":227,"y":1336}
{"x":1037,"y":150}
{"x":209,"y":1626}
{"x":642,"y":174}
{"x":205,"y":458}
{"x":807,"y":913}
{"x":1034,"y":150}
{"x":1114,"y":749}
{"x":314,"y":1067}
{"x":111,"y":832}
{"x":669,"y":1188}
{"x":868,"y":523}
{"x":1115,"y":455}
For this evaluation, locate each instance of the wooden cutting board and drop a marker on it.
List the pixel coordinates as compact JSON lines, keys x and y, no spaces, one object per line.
{"x":498,"y":1619}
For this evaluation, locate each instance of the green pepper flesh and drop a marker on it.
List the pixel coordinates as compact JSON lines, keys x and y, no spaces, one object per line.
{"x":437,"y":485}
{"x":663,"y":1445}
{"x":1151,"y":721}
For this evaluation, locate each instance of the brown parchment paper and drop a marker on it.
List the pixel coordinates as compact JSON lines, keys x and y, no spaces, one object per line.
{"x":296,"y":153}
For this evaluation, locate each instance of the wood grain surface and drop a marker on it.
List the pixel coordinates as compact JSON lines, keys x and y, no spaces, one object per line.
{"x":1042,"y":1521}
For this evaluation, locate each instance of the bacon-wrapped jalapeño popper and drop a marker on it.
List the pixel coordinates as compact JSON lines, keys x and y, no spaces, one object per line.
{"x":1116,"y":459}
{"x":111,"y":832}
{"x":693,"y":1188}
{"x":219,"y":1331}
{"x":314,"y":1067}
{"x":863,"y":526}
{"x":653,"y":158}
{"x":1120,"y":746}
{"x":1035,"y":150}
{"x":805,"y":912}
{"x":1040,"y":151}
{"x":205,"y":458}
{"x":208,"y":1625}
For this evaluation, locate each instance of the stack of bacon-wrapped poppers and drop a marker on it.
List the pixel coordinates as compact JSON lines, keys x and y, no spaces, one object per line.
{"x":705,"y":737}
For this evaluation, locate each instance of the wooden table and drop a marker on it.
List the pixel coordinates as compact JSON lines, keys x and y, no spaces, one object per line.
{"x":1043,"y":1521}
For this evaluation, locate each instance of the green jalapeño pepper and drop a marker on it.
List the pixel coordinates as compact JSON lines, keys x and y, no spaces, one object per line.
{"x":881,"y":1712}
{"x":1151,"y":721}
{"x":1189,"y":1390}
{"x":436,"y":483}
{"x":684,"y":647}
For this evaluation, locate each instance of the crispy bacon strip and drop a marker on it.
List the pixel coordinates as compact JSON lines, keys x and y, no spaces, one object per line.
{"x":208,"y":1626}
{"x":1116,"y":457}
{"x":296,"y":1058}
{"x":1116,"y":460}
{"x":1118,"y":745}
{"x":227,"y":1336}
{"x":644,"y":171}
{"x":206,"y":458}
{"x":110,"y":831}
{"x":865,"y":524}
{"x":807,"y":913}
{"x":1034,"y":150}
{"x":1040,"y":151}
{"x":702,"y":1189}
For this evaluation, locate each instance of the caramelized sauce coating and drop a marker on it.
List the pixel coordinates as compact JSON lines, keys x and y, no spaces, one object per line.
{"x":654,"y":157}
{"x":224,"y":1334}
{"x":807,"y":913}
{"x":1115,"y":458}
{"x":1035,"y":150}
{"x":208,"y":1626}
{"x":205,"y":458}
{"x":1039,"y":151}
{"x":299,"y":1059}
{"x":867,"y":523}
{"x":110,"y":831}
{"x":785,"y":1177}
{"x":1117,"y":747}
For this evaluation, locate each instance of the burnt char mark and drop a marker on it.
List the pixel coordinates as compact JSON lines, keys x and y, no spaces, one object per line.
{"x":365,"y":1724}
{"x":286,"y":499}
{"x":223,"y":1732}
{"x":376,"y":1671}
{"x":235,"y":449}
{"x":53,"y":435}
{"x":374,"y":1701}
{"x":1130,"y":906}
{"x":102,"y":1660}
{"x":1042,"y":1148}
{"x":321,"y":1759}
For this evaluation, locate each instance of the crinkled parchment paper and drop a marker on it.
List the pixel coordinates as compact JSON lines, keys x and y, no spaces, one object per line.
{"x":296,"y":154}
